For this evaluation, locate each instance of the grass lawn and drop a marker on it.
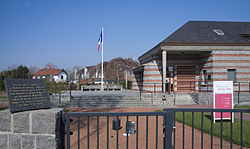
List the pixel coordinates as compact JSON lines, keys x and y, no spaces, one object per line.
{"x":242,"y":107}
{"x":3,"y":97}
{"x":216,"y":126}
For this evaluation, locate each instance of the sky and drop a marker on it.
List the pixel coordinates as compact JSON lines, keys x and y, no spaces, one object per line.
{"x":65,"y":32}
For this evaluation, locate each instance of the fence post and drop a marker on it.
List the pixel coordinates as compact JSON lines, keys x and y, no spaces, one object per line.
{"x":199,"y":86}
{"x":154,"y":88}
{"x":152,"y":98}
{"x":239,"y":93}
{"x":56,"y":89}
{"x":59,"y":102}
{"x":190,"y":86}
{"x":140,"y":91}
{"x":70,"y":91}
{"x":249,"y":87}
{"x":194,"y":86}
{"x":167,"y":130}
{"x":207,"y":88}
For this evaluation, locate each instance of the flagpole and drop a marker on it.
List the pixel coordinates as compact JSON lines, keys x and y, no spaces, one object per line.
{"x":102,"y":62}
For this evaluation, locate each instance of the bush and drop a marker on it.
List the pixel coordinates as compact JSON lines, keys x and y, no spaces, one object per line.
{"x":22,"y":72}
{"x":123,"y":83}
{"x":2,"y":84}
{"x":54,"y":87}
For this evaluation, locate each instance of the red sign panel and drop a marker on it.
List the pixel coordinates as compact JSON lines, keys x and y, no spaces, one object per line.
{"x":223,"y":101}
{"x":222,"y":98}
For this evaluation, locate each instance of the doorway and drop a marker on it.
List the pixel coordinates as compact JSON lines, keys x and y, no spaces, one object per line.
{"x":185,"y":78}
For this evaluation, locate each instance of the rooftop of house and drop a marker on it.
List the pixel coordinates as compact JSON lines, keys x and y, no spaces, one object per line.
{"x":211,"y":32}
{"x":48,"y":71}
{"x":206,"y":33}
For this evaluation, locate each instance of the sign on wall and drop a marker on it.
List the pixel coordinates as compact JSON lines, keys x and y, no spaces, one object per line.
{"x":27,"y":94}
{"x":222,"y":98}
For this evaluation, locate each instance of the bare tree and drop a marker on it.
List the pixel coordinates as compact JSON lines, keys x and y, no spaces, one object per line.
{"x":32,"y":70}
{"x":52,"y":65}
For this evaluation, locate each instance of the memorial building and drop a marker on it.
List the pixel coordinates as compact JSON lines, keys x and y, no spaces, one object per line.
{"x":193,"y":56}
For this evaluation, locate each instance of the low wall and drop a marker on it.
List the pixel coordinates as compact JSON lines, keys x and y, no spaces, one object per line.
{"x":37,"y":129}
{"x":207,"y":98}
{"x":98,"y":87}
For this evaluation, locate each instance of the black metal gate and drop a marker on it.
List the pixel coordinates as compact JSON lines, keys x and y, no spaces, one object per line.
{"x":190,"y":119}
{"x":104,"y":130}
{"x":154,"y":129}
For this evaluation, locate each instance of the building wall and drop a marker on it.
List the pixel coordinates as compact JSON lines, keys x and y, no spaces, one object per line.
{"x":150,"y":78}
{"x":57,"y":78}
{"x":215,"y":63}
{"x":238,"y":60}
{"x":152,"y":74}
{"x":194,"y":62}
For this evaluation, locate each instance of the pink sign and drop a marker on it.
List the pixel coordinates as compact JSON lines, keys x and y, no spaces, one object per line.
{"x":222,"y":98}
{"x":223,"y":101}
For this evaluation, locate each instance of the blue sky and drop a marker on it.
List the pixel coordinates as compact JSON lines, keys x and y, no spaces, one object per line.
{"x":65,"y":32}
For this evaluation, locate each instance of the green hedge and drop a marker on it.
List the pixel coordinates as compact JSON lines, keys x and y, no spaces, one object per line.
{"x":123,"y":83}
{"x":54,"y":87}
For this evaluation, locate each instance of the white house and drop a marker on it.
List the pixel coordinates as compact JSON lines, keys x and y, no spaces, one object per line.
{"x":51,"y":74}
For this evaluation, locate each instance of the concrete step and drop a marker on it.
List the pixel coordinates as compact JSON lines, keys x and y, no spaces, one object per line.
{"x":93,"y":102}
{"x":244,"y":103}
{"x":110,"y":105}
{"x":183,"y":99}
{"x":111,"y":101}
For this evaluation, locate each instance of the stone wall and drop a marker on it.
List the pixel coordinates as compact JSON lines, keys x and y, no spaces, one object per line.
{"x":207,"y":98}
{"x":37,"y":129}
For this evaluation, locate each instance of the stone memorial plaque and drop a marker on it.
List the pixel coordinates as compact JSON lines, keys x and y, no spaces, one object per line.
{"x":27,"y":94}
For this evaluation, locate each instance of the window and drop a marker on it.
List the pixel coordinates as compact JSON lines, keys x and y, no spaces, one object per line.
{"x":43,"y":77}
{"x":62,"y":77}
{"x":205,"y":76}
{"x":38,"y":77}
{"x":218,"y":32}
{"x":209,"y":77}
{"x":34,"y":77}
{"x":231,"y":74}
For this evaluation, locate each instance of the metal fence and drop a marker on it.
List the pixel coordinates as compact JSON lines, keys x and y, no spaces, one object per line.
{"x":92,"y":130}
{"x":168,"y":129}
{"x":182,"y":134}
{"x":193,"y":86}
{"x":60,"y":88}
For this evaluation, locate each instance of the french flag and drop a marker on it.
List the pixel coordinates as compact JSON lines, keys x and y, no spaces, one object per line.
{"x":99,"y":41}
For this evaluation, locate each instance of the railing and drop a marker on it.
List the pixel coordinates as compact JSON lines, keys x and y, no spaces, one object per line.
{"x":154,"y":85}
{"x":238,"y":86}
{"x":185,"y":119}
{"x":60,"y":88}
{"x":154,"y":91}
{"x":143,"y":129}
{"x":197,"y":86}
{"x":92,"y":130}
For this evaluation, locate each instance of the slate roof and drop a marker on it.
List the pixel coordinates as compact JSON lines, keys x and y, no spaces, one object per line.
{"x":202,"y":32}
{"x":48,"y":71}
